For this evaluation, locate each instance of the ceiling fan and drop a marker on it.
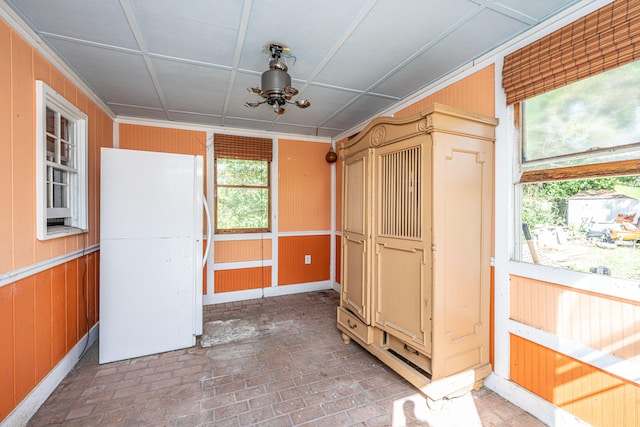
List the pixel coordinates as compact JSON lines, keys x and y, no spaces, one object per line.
{"x":276,"y":83}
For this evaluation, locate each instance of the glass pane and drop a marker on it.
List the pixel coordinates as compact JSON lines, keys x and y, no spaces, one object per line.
{"x":64,"y":128}
{"x":59,"y":196}
{"x":599,"y":112}
{"x":242,"y":208}
{"x":59,"y":189}
{"x":66,"y":154}
{"x":588,"y":225}
{"x":51,"y":121}
{"x":51,"y":148}
{"x":242,"y":172}
{"x":59,"y":176}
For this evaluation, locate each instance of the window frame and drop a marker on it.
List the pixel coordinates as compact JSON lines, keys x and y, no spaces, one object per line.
{"x":76,"y":215}
{"x":218,"y":230}
{"x":549,"y":172}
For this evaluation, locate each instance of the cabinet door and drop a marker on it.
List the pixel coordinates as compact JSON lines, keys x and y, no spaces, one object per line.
{"x":462,"y":209}
{"x":355,"y":236}
{"x":402,"y":274}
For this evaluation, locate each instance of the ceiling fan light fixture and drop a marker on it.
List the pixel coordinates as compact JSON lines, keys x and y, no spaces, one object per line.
{"x":276,"y":84}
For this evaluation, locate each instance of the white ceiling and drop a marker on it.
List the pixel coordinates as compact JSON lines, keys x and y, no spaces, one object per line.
{"x":193,"y":60}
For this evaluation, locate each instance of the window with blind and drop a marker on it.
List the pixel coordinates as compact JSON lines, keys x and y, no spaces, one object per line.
{"x":242,"y":184}
{"x":576,"y":97}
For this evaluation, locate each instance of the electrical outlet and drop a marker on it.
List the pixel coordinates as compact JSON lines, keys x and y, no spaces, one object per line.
{"x":307,"y":259}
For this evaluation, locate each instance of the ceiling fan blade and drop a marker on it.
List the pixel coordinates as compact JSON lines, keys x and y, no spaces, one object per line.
{"x":291,"y":91}
{"x":302,"y":103}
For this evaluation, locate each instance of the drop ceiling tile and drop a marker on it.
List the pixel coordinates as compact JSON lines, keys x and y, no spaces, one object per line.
{"x":371,"y":53}
{"x":191,"y":88}
{"x":243,"y":123}
{"x":212,"y":120}
{"x":364,"y":54}
{"x":201,"y":30}
{"x":537,"y":10}
{"x":485,"y":31}
{"x":130,"y":111}
{"x":119,"y":77}
{"x":289,"y":128}
{"x":310,"y":29}
{"x":95,"y":21}
{"x":361,"y":110}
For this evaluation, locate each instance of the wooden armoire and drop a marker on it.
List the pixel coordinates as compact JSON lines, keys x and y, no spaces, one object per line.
{"x":416,"y":246}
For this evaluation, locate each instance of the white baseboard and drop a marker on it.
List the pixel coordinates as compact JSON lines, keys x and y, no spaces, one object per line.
{"x":30,"y":404}
{"x":267,"y":292}
{"x":542,"y":409}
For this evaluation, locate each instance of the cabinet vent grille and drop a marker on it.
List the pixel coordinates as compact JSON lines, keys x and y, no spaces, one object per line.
{"x":400,"y":193}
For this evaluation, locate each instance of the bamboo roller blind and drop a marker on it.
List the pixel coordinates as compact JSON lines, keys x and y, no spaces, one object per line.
{"x":242,"y":147}
{"x":600,"y":41}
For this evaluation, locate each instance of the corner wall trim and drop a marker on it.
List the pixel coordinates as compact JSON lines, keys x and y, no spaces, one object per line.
{"x":30,"y":270}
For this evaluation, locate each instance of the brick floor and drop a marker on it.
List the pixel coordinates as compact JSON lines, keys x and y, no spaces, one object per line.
{"x":293,"y":369}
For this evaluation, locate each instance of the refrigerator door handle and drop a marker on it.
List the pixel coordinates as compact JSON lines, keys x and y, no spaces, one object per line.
{"x":208,"y":216}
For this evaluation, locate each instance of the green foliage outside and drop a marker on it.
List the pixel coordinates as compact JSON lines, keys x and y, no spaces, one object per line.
{"x":242,"y":194}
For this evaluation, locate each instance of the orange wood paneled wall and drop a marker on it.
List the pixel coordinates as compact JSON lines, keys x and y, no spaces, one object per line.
{"x":242,"y":250}
{"x":304,"y":191}
{"x":20,"y":67}
{"x":475,"y":93}
{"x":291,"y":255}
{"x":43,"y":315}
{"x":590,"y":394}
{"x":611,"y":325}
{"x":242,"y":278}
{"x":165,"y":140}
{"x":304,"y":205}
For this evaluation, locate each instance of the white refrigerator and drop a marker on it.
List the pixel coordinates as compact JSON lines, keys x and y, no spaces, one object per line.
{"x":151,"y":252}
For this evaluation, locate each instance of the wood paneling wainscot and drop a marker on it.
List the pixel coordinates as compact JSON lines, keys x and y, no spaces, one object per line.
{"x":590,"y":394}
{"x":609,"y":324}
{"x":42,"y":317}
{"x":291,"y":256}
{"x":43,"y":314}
{"x":241,"y":279}
{"x":242,"y":250}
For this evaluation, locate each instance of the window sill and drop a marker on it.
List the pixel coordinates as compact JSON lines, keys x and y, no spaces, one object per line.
{"x":61,"y":231}
{"x":596,"y":283}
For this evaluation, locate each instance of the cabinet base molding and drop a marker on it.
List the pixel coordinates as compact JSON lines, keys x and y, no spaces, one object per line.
{"x":443,"y":388}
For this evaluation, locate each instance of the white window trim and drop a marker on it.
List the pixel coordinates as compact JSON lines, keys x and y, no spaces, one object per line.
{"x":47,"y":97}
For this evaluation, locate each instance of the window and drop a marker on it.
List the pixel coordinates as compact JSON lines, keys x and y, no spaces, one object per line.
{"x":579,"y":186}
{"x":242,"y":195}
{"x":61,"y":165}
{"x":594,"y":120}
{"x":242,"y":181}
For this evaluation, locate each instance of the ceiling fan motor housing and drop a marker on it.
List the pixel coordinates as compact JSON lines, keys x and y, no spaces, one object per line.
{"x":274,"y":81}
